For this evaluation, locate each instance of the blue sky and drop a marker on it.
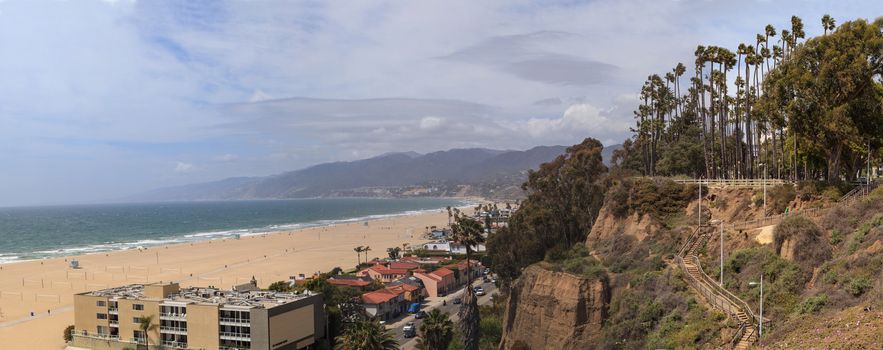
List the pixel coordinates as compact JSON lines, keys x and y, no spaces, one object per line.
{"x":101,"y":99}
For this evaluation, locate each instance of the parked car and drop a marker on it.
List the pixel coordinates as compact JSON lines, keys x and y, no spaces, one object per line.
{"x":420,"y":314}
{"x":458,"y":301}
{"x":480,"y":292}
{"x":409,"y":330}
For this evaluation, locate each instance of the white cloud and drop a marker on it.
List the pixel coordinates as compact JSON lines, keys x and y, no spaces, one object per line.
{"x":429,"y":123}
{"x":93,"y":85}
{"x":226,"y":157}
{"x":181,"y":167}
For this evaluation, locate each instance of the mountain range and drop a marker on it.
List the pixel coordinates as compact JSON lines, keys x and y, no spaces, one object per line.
{"x":442,"y":173}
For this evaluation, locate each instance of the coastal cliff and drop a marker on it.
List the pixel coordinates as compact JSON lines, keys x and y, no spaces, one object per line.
{"x":554,"y":310}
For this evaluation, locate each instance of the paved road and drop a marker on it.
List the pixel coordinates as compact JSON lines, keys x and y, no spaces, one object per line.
{"x":433,"y":303}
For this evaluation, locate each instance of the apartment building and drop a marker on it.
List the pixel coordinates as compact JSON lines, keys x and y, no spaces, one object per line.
{"x":196,"y":318}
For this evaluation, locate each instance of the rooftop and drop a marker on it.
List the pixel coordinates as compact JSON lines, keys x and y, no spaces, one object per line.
{"x":250,"y":299}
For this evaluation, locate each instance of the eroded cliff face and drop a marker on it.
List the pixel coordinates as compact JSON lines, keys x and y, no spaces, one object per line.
{"x":554,"y":310}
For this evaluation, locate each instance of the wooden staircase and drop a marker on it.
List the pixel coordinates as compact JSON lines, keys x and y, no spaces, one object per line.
{"x":748,"y":338}
{"x":714,"y":294}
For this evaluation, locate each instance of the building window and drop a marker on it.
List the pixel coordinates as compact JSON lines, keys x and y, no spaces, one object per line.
{"x":139,"y":336}
{"x":100,"y":303}
{"x":101,"y":316}
{"x":101,"y":330}
{"x":137,"y":306}
{"x":136,"y":319}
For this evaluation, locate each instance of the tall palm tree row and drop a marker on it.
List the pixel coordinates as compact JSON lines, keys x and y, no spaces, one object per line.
{"x":740,"y":133}
{"x":436,"y":331}
{"x":366,"y":335}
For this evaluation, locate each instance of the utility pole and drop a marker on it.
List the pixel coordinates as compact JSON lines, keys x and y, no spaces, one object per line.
{"x":700,"y":201}
{"x":722,"y":253}
{"x":764,"y":189}
{"x":760,"y":320}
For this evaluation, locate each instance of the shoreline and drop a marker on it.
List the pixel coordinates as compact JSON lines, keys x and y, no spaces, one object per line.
{"x":203,"y":236}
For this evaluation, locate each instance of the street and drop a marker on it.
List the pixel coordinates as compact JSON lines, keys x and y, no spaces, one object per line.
{"x":433,"y":303}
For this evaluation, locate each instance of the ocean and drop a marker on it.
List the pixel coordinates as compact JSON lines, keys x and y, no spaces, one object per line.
{"x":43,"y":232}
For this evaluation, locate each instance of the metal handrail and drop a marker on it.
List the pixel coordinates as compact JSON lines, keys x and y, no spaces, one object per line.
{"x":738,"y":335}
{"x":689,"y":243}
{"x":744,"y":305}
{"x":733,"y":182}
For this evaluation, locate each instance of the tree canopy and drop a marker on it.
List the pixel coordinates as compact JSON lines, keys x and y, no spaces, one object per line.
{"x":563,"y":199}
{"x":796,"y":109}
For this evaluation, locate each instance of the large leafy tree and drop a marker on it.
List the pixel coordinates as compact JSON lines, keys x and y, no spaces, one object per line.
{"x":366,"y":335}
{"x":814,"y":112}
{"x":563,"y":199}
{"x":436,"y":331}
{"x":827,"y":90}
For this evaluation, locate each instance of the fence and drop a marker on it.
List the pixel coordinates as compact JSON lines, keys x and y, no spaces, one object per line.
{"x":733,"y":182}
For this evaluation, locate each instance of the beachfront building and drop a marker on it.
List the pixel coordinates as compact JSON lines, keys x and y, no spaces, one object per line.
{"x":384,"y":274}
{"x":196,"y":318}
{"x":385,"y":304}
{"x":451,"y":247}
{"x":412,"y":287}
{"x":439,"y":282}
{"x":358,"y":282}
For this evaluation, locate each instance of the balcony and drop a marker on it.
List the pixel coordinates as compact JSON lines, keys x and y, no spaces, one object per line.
{"x":113,"y":310}
{"x":232,"y":348}
{"x":236,"y":336}
{"x":230,"y":321}
{"x":114,"y":323}
{"x":95,"y":335}
{"x":173,"y":317}
{"x":173,"y":330}
{"x":174,"y":344}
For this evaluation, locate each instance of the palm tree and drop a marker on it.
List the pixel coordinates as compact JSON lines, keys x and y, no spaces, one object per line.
{"x":366,"y":335}
{"x":827,"y":23}
{"x":436,"y":332}
{"x":367,"y":248}
{"x":467,"y":232}
{"x":393,"y":252}
{"x":146,"y":325}
{"x":359,"y":251}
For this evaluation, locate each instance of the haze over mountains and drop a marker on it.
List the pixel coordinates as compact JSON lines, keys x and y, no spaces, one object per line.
{"x":442,"y":173}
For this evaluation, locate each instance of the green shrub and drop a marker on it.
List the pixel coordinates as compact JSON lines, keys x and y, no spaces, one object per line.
{"x":832,"y":193}
{"x":813,"y":304}
{"x":68,"y":333}
{"x":836,"y":237}
{"x":858,"y":286}
{"x":811,"y":249}
{"x":779,"y":197}
{"x":830,"y":277}
{"x":807,"y":190}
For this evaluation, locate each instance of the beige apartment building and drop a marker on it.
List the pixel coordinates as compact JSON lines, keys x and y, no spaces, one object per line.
{"x":196,"y":318}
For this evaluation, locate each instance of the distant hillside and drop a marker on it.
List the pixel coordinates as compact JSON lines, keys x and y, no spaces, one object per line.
{"x":473,"y":171}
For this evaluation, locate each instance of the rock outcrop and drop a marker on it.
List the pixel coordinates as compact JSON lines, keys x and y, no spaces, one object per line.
{"x":554,"y":310}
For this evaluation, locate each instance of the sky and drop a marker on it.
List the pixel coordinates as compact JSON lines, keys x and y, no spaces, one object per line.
{"x":102,"y":99}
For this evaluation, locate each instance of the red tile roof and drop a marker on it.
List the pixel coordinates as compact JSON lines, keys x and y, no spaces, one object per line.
{"x":401,"y":288}
{"x":378,"y":297}
{"x":442,"y":272}
{"x":387,"y":271}
{"x":403,"y":265}
{"x":352,"y":283}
